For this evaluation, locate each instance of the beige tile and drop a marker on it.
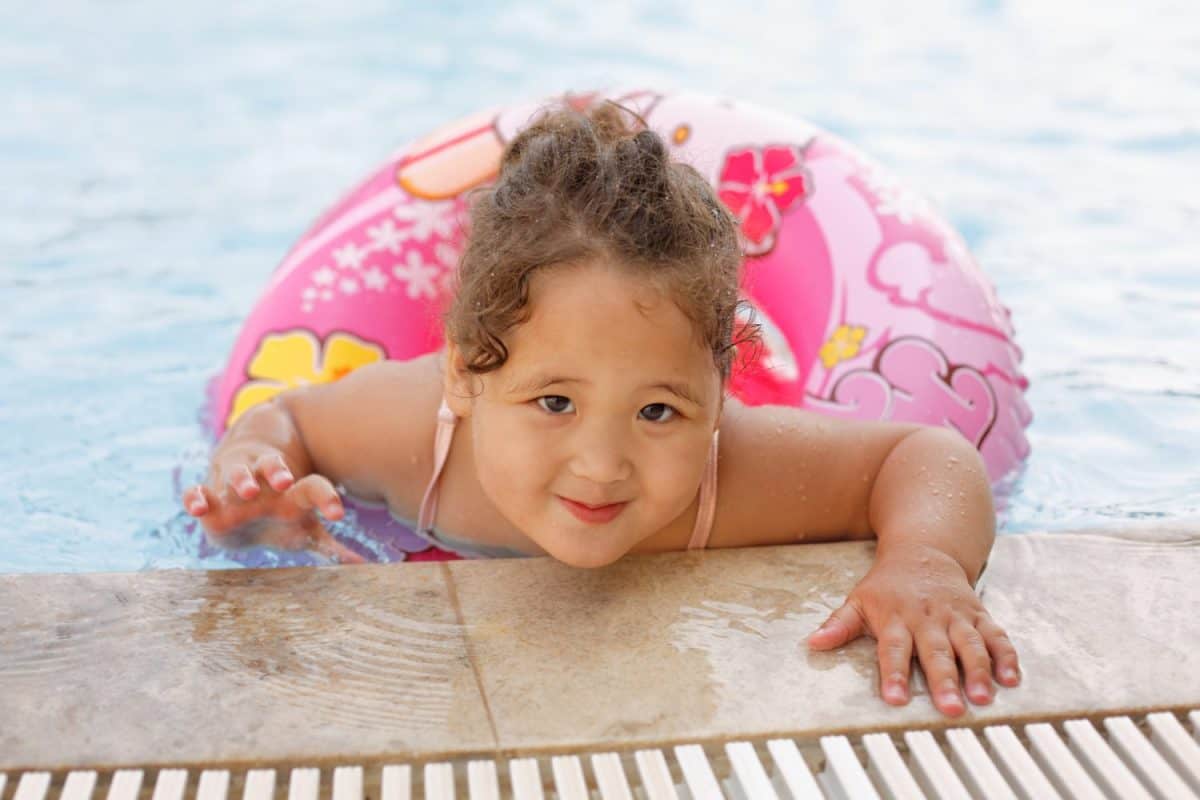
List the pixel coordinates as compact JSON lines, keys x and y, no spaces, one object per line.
{"x":677,"y":646}
{"x":233,"y":666}
{"x":1102,"y":620}
{"x":710,"y":645}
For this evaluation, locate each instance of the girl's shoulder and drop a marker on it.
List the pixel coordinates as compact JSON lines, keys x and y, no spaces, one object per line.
{"x":788,"y":475}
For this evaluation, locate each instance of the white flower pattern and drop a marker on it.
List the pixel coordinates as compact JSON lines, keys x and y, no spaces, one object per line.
{"x":349,"y":256}
{"x":375,"y":280}
{"x":418,"y":276}
{"x":447,"y":256}
{"x":324,"y":277}
{"x":893,"y":198}
{"x":424,"y":273}
{"x":426,"y":219}
{"x":385,"y":236}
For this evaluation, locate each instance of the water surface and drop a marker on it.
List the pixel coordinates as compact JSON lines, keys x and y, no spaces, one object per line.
{"x":158,"y":161}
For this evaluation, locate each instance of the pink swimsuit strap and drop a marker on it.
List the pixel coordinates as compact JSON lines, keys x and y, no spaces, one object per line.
{"x":708,"y":499}
{"x":446,"y":422}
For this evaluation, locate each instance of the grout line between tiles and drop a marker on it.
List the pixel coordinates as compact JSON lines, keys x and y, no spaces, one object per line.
{"x":452,"y":593}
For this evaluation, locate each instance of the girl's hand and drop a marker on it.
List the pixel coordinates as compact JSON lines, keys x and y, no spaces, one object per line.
{"x":252,"y":498}
{"x":920,"y":596}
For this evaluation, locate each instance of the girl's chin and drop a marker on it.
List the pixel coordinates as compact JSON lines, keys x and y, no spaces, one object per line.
{"x":582,"y":551}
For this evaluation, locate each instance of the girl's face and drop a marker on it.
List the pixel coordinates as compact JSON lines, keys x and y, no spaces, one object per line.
{"x":594,"y":434}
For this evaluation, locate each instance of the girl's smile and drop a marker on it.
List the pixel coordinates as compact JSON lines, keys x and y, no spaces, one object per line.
{"x":597,"y":515}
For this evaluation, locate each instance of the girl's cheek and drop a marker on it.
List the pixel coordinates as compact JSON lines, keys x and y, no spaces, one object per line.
{"x":673,"y":480}
{"x":512,"y":463}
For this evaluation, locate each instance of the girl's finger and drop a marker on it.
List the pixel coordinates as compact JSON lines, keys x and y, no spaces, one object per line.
{"x":844,"y":625}
{"x":334,"y":550}
{"x":941,"y":669}
{"x":274,"y":471}
{"x":976,"y":663}
{"x":195,"y":502}
{"x":316,"y":493}
{"x":895,"y":662}
{"x":1004,"y":655}
{"x":243,"y":483}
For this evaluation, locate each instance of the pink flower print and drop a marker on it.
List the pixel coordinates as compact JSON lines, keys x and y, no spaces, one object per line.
{"x":758,"y":185}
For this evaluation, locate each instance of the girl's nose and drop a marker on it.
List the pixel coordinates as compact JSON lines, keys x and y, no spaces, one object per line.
{"x":600,"y":457}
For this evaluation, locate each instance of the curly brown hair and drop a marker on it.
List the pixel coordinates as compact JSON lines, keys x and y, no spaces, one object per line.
{"x":577,"y":185}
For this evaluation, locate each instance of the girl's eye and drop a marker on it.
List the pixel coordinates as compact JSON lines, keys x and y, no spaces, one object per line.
{"x":555,"y":404}
{"x":658,"y":412}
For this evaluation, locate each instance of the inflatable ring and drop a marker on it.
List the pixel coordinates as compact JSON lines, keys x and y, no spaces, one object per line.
{"x":870,"y":304}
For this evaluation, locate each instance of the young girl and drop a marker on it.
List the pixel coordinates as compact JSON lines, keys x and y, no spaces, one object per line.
{"x":579,"y":411}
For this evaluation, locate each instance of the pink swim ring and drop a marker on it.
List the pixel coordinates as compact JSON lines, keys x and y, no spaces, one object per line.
{"x":871,"y":306}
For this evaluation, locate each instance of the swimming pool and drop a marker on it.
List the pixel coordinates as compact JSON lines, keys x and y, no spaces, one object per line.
{"x":160,"y":161}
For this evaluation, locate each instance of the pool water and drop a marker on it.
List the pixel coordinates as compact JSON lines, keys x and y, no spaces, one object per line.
{"x":157,"y":162}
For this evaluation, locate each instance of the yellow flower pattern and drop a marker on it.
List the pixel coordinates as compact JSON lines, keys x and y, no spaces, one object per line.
{"x":844,"y":344}
{"x":298,"y":358}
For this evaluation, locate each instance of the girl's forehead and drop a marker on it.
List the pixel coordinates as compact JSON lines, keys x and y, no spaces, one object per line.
{"x":583,"y":300}
{"x":600,"y":313}
{"x":580,"y":277}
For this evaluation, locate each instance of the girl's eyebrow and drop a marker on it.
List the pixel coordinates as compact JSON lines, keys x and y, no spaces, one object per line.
{"x":538,"y":382}
{"x":680,"y":390}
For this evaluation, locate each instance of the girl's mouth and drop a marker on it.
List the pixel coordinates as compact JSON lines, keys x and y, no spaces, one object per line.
{"x":597,"y":515}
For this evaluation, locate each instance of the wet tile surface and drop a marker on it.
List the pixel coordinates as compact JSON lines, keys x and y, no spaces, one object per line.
{"x":239,"y":666}
{"x":709,"y":645}
{"x":409,"y":661}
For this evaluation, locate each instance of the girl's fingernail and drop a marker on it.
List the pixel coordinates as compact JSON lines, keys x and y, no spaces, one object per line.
{"x":1008,"y":674}
{"x":951,"y":705}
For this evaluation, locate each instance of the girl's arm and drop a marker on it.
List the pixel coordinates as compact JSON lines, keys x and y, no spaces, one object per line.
{"x":789,"y":475}
{"x":282,"y":461}
{"x":372,"y":431}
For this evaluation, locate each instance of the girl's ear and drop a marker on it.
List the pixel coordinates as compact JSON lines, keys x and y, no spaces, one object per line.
{"x":459,"y":385}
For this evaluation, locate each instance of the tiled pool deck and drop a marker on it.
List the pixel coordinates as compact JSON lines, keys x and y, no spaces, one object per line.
{"x":423,"y":661}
